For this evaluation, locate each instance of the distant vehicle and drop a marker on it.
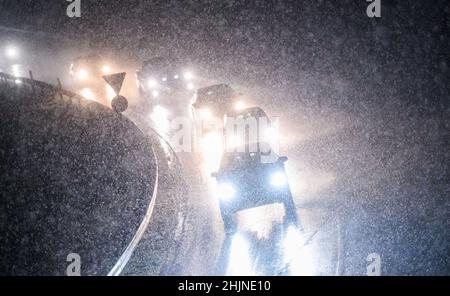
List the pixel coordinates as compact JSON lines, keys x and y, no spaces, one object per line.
{"x":210,"y":104}
{"x":86,"y":72}
{"x":254,"y":124}
{"x":164,"y":78}
{"x":245,"y":180}
{"x":166,"y":86}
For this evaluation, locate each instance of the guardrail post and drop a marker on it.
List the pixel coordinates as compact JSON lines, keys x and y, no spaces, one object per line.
{"x":59,"y":88}
{"x":32,"y":85}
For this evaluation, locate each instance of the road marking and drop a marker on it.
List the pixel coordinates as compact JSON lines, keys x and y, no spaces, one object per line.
{"x":123,"y":260}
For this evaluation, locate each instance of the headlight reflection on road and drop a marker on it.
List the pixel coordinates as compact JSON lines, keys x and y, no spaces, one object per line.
{"x":301,"y":258}
{"x":226,"y":191}
{"x":205,"y":114}
{"x":261,"y":220}
{"x":160,"y":118}
{"x":87,"y":93}
{"x":239,"y":263}
{"x":155,"y":93}
{"x":211,"y":148}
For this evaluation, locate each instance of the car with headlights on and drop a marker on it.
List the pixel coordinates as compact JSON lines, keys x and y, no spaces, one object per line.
{"x":210,"y":104}
{"x":251,"y":123}
{"x":165,"y":86}
{"x":87,"y":77}
{"x":248,"y":179}
{"x":165,"y":78}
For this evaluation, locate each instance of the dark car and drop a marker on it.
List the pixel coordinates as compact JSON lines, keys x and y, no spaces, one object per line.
{"x":164,"y":77}
{"x":210,"y":104}
{"x":250,"y":123}
{"x":87,"y":77}
{"x":245,"y":180}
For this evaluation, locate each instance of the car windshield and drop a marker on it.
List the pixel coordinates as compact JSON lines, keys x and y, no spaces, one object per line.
{"x":249,"y":155}
{"x":237,"y":160}
{"x":214,"y":94}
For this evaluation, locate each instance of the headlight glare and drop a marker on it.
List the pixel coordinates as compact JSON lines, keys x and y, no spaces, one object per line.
{"x":82,"y":74}
{"x":226,"y":191}
{"x":278,"y":179}
{"x":152,"y":83}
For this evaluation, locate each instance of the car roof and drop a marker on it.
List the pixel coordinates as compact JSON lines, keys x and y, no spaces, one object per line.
{"x":215,"y":89}
{"x":214,"y":92}
{"x":250,"y":111}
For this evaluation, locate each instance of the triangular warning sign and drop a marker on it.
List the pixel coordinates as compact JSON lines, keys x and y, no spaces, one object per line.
{"x":115,"y":81}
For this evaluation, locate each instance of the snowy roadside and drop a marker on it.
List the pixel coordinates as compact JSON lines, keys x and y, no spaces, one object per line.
{"x":76,"y":178}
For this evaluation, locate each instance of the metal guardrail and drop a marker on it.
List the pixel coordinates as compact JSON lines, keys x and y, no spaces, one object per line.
{"x":32,"y":85}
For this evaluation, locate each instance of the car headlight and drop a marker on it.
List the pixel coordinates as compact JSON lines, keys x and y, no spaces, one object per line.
{"x":152,"y":83}
{"x":278,"y":179}
{"x":88,"y":93}
{"x":110,"y":93}
{"x":82,"y":74}
{"x":106,"y":69}
{"x":226,"y":191}
{"x":205,"y":114}
{"x":239,"y":105}
{"x":12,"y":52}
{"x":188,"y":75}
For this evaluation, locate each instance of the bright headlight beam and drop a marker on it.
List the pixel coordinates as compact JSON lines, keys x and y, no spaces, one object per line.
{"x":16,"y":70}
{"x":226,"y":191}
{"x":12,"y":52}
{"x":82,"y":74}
{"x":188,"y":75}
{"x":278,"y":179}
{"x":160,"y":119}
{"x":205,"y":114}
{"x":110,"y":93}
{"x":239,"y":105}
{"x":152,"y":83}
{"x":88,"y":94}
{"x":106,"y":69}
